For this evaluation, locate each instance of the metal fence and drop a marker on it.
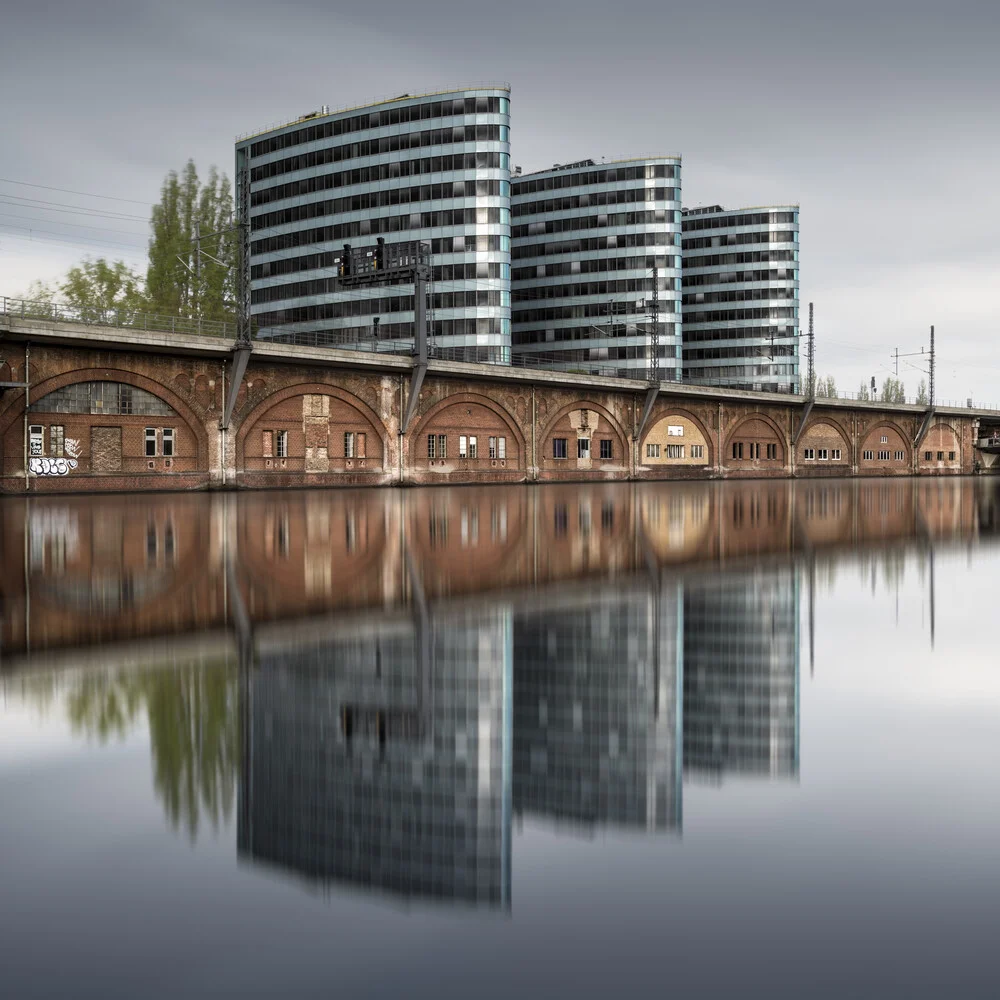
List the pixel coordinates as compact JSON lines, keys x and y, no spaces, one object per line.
{"x":127,"y":319}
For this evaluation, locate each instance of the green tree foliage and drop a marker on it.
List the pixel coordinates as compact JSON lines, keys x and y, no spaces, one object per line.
{"x":179,"y":281}
{"x":95,"y":287}
{"x":893,"y":391}
{"x":922,"y":397}
{"x":863,"y":392}
{"x":826,"y":388}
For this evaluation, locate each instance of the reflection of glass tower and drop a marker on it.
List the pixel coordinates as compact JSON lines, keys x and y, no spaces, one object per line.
{"x":370,"y":762}
{"x":597,"y":711}
{"x":741,"y":671}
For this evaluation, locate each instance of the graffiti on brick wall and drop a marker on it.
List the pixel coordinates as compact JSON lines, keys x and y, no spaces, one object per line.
{"x":51,"y":466}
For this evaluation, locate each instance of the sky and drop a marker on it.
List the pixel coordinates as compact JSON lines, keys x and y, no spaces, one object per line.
{"x":878,"y":117}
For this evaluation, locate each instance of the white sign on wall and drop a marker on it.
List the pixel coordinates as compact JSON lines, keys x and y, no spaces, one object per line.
{"x":673,"y":430}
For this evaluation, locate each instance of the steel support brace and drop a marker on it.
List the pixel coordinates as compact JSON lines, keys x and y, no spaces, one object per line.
{"x":924,"y":427}
{"x":419,"y":345}
{"x":651,"y":393}
{"x":241,"y":355}
{"x":802,"y":422}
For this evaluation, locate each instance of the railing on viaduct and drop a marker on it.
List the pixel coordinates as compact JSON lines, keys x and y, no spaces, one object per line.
{"x":130,"y":319}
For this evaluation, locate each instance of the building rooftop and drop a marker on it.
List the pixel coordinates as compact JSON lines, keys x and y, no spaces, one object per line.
{"x":582,"y":164}
{"x":325,"y":112}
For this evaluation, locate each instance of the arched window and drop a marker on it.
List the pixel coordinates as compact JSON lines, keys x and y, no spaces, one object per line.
{"x":102,"y":397}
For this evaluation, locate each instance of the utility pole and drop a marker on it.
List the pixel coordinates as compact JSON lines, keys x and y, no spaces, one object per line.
{"x":196,"y":288}
{"x":930,"y":386}
{"x":811,"y":355}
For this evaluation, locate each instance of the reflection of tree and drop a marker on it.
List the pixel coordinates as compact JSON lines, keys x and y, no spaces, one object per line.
{"x":193,"y":715}
{"x":194,"y":736}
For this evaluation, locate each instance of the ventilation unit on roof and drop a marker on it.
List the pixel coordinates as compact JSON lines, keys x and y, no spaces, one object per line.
{"x":325,"y":109}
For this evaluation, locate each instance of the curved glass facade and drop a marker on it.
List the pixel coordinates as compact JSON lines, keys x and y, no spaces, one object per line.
{"x":741,"y":297}
{"x":585,"y":239}
{"x":434,"y":168}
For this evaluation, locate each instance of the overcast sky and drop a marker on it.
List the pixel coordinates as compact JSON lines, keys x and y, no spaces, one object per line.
{"x":881,"y":118}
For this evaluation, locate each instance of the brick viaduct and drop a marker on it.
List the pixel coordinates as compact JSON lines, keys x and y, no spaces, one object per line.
{"x":321,"y":417}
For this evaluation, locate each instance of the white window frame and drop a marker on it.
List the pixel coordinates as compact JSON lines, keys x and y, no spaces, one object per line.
{"x":168,"y":437}
{"x":150,"y":435}
{"x":281,"y":444}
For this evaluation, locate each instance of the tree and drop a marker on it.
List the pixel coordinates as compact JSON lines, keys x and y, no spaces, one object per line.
{"x":179,"y":281}
{"x":893,"y":391}
{"x":826,"y":388}
{"x":95,"y":286}
{"x":863,"y":393}
{"x":922,"y":399}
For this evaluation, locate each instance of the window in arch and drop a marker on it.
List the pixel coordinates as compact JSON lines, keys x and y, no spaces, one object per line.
{"x":102,"y":397}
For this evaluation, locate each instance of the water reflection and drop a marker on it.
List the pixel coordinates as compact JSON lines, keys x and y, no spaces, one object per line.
{"x":385,"y":682}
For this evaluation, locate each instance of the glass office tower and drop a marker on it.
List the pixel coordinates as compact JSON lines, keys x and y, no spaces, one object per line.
{"x":586,"y":238}
{"x":434,"y":168}
{"x":741,"y":297}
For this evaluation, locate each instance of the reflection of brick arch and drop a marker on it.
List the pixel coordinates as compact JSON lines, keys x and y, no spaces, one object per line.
{"x":892,"y":426}
{"x":662,"y":413}
{"x":157,"y":389}
{"x":836,"y":428}
{"x":584,"y":404}
{"x":309,"y":389}
{"x":465,"y":398}
{"x":764,"y":419}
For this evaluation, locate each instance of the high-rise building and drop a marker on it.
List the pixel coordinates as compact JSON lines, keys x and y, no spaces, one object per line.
{"x":587,"y":239}
{"x":434,"y":169}
{"x":741,"y":297}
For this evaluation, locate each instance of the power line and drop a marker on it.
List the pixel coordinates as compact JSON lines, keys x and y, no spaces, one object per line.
{"x":75,"y":225}
{"x":40,"y":205}
{"x":85,"y":194}
{"x":132,"y":250}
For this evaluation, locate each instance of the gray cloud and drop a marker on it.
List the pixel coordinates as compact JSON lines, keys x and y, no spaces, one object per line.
{"x":879,"y":118}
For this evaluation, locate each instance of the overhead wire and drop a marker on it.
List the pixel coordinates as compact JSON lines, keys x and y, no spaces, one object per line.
{"x":83,"y":194}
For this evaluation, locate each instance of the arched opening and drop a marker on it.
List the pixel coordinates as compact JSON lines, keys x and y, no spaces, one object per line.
{"x":822,"y":445}
{"x":467,"y":437}
{"x":676,"y":439}
{"x":755,"y":443}
{"x":582,"y":437}
{"x":885,"y":450}
{"x":310,"y":429}
{"x":940,"y":450}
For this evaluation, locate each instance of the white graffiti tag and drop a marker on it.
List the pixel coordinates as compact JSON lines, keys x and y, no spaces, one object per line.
{"x":73,"y":447}
{"x":51,"y":466}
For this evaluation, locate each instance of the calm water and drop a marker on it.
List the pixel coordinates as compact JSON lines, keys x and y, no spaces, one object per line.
{"x":707,"y":740}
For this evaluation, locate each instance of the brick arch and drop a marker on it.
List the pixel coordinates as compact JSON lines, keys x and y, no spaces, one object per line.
{"x":157,"y":389}
{"x":887,"y":425}
{"x":665,"y":412}
{"x":462,"y":398}
{"x":765,"y":419}
{"x":835,"y":427}
{"x":584,"y":404}
{"x":309,"y":389}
